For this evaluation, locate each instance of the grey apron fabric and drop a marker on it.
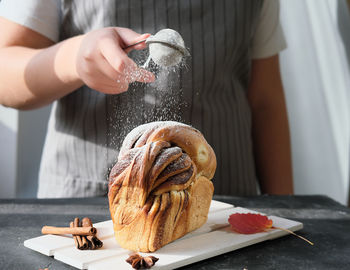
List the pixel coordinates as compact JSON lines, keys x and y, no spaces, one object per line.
{"x":86,"y":128}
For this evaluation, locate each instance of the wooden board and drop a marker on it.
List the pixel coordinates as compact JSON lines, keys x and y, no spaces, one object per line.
{"x":212,"y":239}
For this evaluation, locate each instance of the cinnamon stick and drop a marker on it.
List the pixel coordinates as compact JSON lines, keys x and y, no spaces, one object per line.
{"x":86,"y":243}
{"x":86,"y":222}
{"x":81,"y":239}
{"x":68,"y":230}
{"x":74,"y":236}
{"x":84,"y":236}
{"x":94,"y":242}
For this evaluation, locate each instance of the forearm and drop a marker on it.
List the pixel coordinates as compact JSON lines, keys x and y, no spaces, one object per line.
{"x":270,"y":128}
{"x":31,"y":78}
{"x":272,"y":149}
{"x":34,"y":72}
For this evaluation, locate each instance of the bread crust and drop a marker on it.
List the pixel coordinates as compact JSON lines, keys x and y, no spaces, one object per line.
{"x":160,"y":188}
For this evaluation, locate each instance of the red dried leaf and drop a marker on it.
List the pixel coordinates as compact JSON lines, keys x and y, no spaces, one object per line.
{"x":249,"y":223}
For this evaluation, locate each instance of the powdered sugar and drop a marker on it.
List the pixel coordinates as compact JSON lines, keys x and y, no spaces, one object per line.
{"x":137,"y":132}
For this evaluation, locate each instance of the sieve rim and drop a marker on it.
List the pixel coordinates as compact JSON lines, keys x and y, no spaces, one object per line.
{"x":183,"y":50}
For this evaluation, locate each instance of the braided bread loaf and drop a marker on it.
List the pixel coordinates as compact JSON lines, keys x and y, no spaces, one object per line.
{"x":160,"y":188}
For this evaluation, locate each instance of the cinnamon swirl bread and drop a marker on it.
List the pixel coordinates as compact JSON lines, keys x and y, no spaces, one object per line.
{"x":160,"y":188}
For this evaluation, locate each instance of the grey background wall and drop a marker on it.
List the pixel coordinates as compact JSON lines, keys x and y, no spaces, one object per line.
{"x":8,"y":146}
{"x":22,"y":134}
{"x":30,"y":138}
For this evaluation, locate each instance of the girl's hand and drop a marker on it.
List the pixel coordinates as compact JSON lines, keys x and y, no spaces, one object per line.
{"x":103,"y":64}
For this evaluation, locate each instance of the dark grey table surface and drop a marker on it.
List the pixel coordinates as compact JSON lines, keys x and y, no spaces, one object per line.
{"x":326,"y":223}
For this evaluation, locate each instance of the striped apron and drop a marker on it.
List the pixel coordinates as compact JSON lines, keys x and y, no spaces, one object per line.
{"x":86,"y":128}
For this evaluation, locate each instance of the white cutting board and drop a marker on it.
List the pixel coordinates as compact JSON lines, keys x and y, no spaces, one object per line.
{"x":212,"y":239}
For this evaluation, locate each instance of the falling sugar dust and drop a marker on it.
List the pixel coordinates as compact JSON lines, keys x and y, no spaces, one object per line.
{"x":166,"y":53}
{"x":161,"y":100}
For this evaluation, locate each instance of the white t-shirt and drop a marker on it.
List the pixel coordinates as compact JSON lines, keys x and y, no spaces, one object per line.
{"x":43,"y":16}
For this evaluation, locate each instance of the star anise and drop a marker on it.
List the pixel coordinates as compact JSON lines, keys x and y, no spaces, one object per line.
{"x":139,"y":262}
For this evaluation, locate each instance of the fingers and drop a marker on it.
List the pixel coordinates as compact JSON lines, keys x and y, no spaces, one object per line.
{"x":103,"y":83}
{"x":102,"y":63}
{"x":114,"y":54}
{"x":122,"y":64}
{"x":112,"y":82}
{"x":140,"y":75}
{"x":129,"y":37}
{"x":137,"y":44}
